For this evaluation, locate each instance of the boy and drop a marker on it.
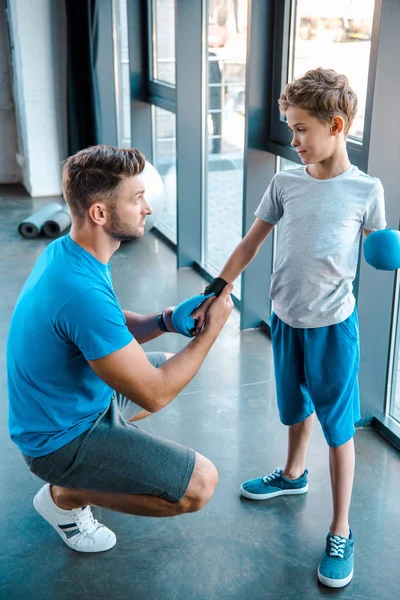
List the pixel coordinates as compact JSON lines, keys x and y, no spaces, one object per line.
{"x":322,"y":208}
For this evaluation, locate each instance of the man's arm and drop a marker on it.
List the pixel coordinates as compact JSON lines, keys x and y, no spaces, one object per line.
{"x":129,"y":372}
{"x":145,"y":327}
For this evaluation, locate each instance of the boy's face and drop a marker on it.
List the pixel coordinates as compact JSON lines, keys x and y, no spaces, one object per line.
{"x":313,"y":141}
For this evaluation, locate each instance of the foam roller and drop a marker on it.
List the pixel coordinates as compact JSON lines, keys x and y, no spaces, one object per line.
{"x":57,"y":224}
{"x":33,"y":225}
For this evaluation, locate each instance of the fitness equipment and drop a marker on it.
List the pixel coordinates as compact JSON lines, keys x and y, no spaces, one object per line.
{"x":57,"y":224}
{"x":181,"y":320}
{"x":154,"y":192}
{"x":382,"y":249}
{"x":32,"y":225}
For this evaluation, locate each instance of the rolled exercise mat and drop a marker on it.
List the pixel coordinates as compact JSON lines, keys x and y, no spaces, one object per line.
{"x":57,"y":224}
{"x":32,"y":226}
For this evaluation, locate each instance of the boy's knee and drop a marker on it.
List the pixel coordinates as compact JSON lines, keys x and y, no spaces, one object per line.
{"x":201,"y":486}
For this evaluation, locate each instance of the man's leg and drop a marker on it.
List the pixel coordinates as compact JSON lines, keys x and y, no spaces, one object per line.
{"x":200,"y":489}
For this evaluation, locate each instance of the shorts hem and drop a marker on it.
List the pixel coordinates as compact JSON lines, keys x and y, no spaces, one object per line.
{"x":296,"y":421}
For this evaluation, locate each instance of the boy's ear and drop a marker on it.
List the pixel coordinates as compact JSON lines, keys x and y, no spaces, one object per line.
{"x":337,"y":125}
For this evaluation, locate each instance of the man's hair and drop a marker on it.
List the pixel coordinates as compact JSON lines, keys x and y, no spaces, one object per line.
{"x":324,"y":93}
{"x":96,"y":173}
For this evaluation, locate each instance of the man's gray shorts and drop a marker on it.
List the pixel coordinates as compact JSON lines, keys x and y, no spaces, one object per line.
{"x":117,"y":456}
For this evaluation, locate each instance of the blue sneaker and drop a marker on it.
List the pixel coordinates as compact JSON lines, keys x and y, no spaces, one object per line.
{"x":337,"y":565}
{"x":274,"y":484}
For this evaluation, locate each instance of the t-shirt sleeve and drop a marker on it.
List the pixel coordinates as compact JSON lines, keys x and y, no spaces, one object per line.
{"x":270,"y":208}
{"x":374,"y":214}
{"x":95,"y":323}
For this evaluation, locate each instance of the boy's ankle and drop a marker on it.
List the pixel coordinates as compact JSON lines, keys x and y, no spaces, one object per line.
{"x":341,"y":529}
{"x":292,"y":473}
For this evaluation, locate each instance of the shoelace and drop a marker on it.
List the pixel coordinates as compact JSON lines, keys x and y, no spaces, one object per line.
{"x":277,"y":473}
{"x":337,"y":546}
{"x":85,"y":521}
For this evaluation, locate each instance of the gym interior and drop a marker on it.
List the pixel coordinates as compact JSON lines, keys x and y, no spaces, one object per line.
{"x":194,"y":85}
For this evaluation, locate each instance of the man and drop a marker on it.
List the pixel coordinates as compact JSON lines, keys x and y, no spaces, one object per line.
{"x":70,"y":346}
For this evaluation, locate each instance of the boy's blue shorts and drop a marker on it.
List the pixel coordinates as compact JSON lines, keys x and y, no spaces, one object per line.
{"x":317,"y":369}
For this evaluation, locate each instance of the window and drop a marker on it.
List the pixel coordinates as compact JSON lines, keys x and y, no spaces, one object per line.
{"x":226,"y":85}
{"x":394,"y":400}
{"x":335,"y":35}
{"x":163,"y":59}
{"x":121,"y":50}
{"x":164,"y":153}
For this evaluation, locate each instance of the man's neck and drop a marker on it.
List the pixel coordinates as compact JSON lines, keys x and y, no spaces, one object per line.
{"x":97,"y":243}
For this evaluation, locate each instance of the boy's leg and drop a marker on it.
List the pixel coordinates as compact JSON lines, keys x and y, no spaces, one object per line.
{"x":298,"y":436}
{"x":332,"y":361}
{"x":341,"y":466}
{"x":295,"y":409}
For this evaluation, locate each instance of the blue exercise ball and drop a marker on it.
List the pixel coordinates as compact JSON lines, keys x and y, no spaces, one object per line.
{"x":382,"y":249}
{"x":154,"y":191}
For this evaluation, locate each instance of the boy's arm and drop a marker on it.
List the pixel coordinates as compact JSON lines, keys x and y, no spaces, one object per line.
{"x":246,"y":250}
{"x":242,"y":255}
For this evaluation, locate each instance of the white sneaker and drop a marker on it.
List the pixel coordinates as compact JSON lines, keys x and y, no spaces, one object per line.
{"x":77,"y":527}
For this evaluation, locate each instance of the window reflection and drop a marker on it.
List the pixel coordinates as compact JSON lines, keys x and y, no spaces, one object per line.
{"x":226,"y":84}
{"x":164,"y":157}
{"x":334,"y":35}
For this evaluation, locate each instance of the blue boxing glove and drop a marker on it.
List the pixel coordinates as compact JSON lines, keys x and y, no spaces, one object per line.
{"x":181,"y":320}
{"x":382,"y":249}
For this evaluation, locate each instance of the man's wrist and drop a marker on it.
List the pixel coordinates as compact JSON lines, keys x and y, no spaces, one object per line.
{"x":161,"y":322}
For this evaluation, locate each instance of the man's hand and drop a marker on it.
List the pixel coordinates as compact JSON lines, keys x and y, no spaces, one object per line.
{"x":218,"y":312}
{"x":200,"y":313}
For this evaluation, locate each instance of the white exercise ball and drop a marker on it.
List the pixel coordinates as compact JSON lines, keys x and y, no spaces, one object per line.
{"x":154,"y":192}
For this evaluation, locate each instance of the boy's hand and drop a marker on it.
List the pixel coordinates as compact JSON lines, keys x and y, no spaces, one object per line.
{"x":200,"y":313}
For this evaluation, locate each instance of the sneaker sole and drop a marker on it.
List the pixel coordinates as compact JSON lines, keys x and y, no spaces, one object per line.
{"x":47,"y":518}
{"x":251,"y":496}
{"x":335,"y":583}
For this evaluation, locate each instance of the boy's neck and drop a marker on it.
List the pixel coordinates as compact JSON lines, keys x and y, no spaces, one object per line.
{"x":331,"y":167}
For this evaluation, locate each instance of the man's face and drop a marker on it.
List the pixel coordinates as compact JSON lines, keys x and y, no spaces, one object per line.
{"x":127,"y":214}
{"x":312,"y":140}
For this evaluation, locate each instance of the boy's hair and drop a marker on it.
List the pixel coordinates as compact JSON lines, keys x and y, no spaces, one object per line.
{"x":324,"y":93}
{"x":97,"y":172}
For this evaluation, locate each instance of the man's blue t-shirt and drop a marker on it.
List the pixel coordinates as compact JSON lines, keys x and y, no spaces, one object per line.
{"x":66,"y":314}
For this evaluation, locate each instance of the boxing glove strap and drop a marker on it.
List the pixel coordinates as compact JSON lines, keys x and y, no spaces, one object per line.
{"x":161,"y":323}
{"x":216,"y":286}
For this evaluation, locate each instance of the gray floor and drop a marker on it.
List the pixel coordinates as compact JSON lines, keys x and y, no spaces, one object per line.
{"x":232,"y":549}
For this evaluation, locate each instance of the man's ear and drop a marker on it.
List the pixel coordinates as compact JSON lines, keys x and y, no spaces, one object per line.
{"x":337,"y":125}
{"x":97,"y":213}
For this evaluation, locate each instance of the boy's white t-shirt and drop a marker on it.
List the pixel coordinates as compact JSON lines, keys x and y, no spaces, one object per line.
{"x":320,"y":223}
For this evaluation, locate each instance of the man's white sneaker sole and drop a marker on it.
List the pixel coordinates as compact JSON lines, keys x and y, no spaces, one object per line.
{"x":335,"y":583}
{"x":251,"y":496}
{"x":107,"y":542}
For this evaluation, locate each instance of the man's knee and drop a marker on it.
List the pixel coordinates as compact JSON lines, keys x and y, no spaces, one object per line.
{"x":201,"y":486}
